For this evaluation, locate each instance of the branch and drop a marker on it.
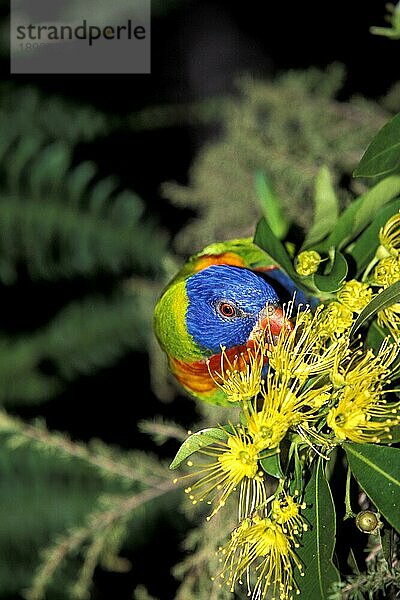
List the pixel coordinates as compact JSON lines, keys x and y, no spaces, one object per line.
{"x":29,"y":433}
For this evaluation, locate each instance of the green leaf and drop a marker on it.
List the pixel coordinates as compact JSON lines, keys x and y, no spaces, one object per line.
{"x":198,"y":440}
{"x":389,"y":296}
{"x":297,"y":483}
{"x":272,"y":466}
{"x":377,"y":470}
{"x":271,"y":206}
{"x":366,"y":245}
{"x":395,"y":434}
{"x":318,"y":543}
{"x":382,"y":193}
{"x":375,"y":336}
{"x":267,"y":240}
{"x":388,"y":543}
{"x":326,"y":209}
{"x":383,"y":154}
{"x":333,"y":281}
{"x":360,"y":213}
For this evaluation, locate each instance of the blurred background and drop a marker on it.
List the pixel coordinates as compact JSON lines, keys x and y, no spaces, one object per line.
{"x":107,"y":184}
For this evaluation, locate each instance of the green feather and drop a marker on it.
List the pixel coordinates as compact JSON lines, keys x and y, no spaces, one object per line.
{"x":252,"y":256}
{"x":170,"y":311}
{"x":170,"y":324}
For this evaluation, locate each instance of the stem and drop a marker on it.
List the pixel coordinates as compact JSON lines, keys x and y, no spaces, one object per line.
{"x":349,"y":512}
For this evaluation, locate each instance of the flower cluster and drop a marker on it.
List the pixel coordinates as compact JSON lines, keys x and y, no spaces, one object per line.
{"x":316,"y":387}
{"x":387,"y":272}
{"x":261,"y":548}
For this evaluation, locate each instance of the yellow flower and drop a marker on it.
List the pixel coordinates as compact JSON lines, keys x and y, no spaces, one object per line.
{"x":296,"y":386}
{"x":362,"y":413}
{"x":286,"y":405}
{"x":369,"y":424}
{"x":241,"y":459}
{"x":355,"y":295}
{"x":335,"y":320}
{"x":307,"y":262}
{"x":390,"y":318}
{"x":233,"y":464}
{"x":303,"y":353}
{"x":363,"y":369}
{"x":320,"y":399}
{"x":263,"y":549}
{"x":387,"y":271}
{"x":389,"y":237}
{"x":267,"y":427}
{"x":286,"y":511}
{"x":240,"y":378}
{"x":346,"y":420}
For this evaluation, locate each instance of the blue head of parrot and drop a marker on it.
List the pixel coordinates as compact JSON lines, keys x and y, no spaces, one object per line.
{"x":226,"y":304}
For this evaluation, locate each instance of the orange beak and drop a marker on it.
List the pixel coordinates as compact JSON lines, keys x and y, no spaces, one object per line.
{"x":271,"y":320}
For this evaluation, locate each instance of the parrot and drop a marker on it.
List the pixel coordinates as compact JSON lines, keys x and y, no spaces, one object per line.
{"x":218,"y":301}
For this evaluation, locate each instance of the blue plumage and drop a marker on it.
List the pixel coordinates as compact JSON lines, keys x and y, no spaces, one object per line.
{"x":289,"y":289}
{"x":224,"y":305}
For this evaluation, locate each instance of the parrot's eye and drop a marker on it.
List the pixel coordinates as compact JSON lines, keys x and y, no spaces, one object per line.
{"x":227,"y":310}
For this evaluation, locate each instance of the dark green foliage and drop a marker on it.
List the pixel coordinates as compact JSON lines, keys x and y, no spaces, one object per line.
{"x":84,"y":336}
{"x":60,"y":220}
{"x":63,"y":222}
{"x":40,"y":497}
{"x":317,"y":550}
{"x":383,"y":154}
{"x":26,"y":110}
{"x":287,"y":128}
{"x":68,"y":506}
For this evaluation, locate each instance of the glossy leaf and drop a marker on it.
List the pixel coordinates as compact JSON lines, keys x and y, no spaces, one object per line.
{"x":383,"y":154}
{"x":272,"y":465}
{"x":326,"y":209}
{"x":196,"y":441}
{"x":271,"y":206}
{"x":297,"y":482}
{"x":376,"y":197}
{"x":388,"y":543}
{"x":366,"y":245}
{"x":375,"y":336}
{"x":333,"y":281}
{"x":389,"y":296}
{"x":318,"y":543}
{"x":395,"y":434}
{"x":267,"y":240}
{"x":360,"y":213}
{"x":377,"y":470}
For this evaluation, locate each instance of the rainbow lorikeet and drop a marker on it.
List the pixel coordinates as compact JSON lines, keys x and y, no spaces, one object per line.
{"x":219,"y":299}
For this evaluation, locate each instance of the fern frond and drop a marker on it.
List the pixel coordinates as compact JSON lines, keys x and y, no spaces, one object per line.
{"x":141,"y":593}
{"x":58,"y":241}
{"x":84,"y":336}
{"x":41,"y":495}
{"x":92,"y":333}
{"x":63,"y":220}
{"x":98,"y":526}
{"x":379,"y":581}
{"x":21,"y":378}
{"x":161,"y":430}
{"x":25,"y":109}
{"x":199,"y":571}
{"x":177,"y":115}
{"x":131,"y":467}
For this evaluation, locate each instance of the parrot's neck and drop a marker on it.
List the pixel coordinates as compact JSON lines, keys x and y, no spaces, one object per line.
{"x":196,"y":376}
